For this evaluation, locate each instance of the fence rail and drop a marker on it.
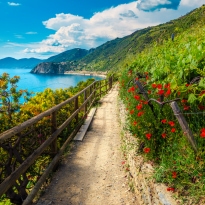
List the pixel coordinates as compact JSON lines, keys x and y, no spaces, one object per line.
{"x":15,"y":181}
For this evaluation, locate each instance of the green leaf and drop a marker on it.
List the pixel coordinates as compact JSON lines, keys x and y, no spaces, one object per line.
{"x":192,"y":98}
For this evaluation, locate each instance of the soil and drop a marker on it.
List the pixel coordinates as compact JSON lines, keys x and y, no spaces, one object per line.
{"x":94,"y":172}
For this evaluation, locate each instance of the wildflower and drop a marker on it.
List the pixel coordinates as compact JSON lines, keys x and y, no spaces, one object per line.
{"x":171,"y":123}
{"x":132,"y":89}
{"x":146,"y":149}
{"x":168,"y":92}
{"x":173,"y":130}
{"x":149,"y":91}
{"x":178,"y":93}
{"x":154,"y":85}
{"x":159,"y":86}
{"x":137,"y":97}
{"x":174,"y":175}
{"x":123,"y":162}
{"x":140,"y":114}
{"x":202,"y":133}
{"x":186,"y":107}
{"x":132,"y":112}
{"x":164,"y":135}
{"x":164,"y":121}
{"x":134,"y":123}
{"x":187,"y":85}
{"x":139,"y":107}
{"x":170,"y":189}
{"x":148,"y":136}
{"x":183,"y":100}
{"x":160,"y":92}
{"x":167,"y":85}
{"x":147,"y":77}
{"x":145,"y":102}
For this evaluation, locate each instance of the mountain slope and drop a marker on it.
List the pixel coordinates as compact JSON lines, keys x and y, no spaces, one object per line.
{"x":111,"y":54}
{"x":70,"y":55}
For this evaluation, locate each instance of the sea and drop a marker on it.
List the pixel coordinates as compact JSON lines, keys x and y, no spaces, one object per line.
{"x":39,"y":82}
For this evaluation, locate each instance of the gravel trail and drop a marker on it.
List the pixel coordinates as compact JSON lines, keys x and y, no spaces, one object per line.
{"x":93,"y":173}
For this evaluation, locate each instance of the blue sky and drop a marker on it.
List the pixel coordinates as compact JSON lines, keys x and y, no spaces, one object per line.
{"x":42,"y":28}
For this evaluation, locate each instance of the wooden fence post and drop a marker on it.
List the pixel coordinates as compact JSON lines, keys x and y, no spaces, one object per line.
{"x":85,"y":97}
{"x":53,"y":146}
{"x":76,"y":107}
{"x":184,"y":125}
{"x":90,"y":95}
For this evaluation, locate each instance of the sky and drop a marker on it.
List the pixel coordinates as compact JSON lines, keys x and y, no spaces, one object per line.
{"x":43,"y":28}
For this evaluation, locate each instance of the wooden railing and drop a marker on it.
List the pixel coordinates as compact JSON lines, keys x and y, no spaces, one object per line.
{"x":16,"y":168}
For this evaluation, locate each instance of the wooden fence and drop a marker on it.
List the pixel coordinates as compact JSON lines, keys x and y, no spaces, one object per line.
{"x":14,"y":170}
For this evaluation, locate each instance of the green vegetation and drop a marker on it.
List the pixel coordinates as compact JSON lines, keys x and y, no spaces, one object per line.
{"x":170,"y":70}
{"x":14,"y":151}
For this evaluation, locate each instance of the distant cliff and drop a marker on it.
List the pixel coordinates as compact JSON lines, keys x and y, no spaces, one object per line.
{"x":50,"y":68}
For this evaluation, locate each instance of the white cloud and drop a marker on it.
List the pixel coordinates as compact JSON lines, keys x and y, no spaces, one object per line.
{"x":147,"y":5}
{"x":31,"y":33}
{"x":75,"y":31}
{"x":13,"y":4}
{"x":192,"y":3}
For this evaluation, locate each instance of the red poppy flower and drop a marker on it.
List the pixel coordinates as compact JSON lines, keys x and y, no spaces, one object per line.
{"x":164,"y":121}
{"x":186,"y":107}
{"x":202,"y":133}
{"x":149,"y":91}
{"x":159,"y":86}
{"x":178,"y":93}
{"x":168,"y":92}
{"x":160,"y":92}
{"x":139,"y":107}
{"x":146,"y":149}
{"x":174,"y":175}
{"x":173,"y":130}
{"x":183,"y":100}
{"x":187,"y":85}
{"x":134,"y":123}
{"x":154,"y":85}
{"x":148,"y":136}
{"x":170,"y":189}
{"x":147,"y":77}
{"x":202,"y":129}
{"x":136,"y":78}
{"x":137,"y":97}
{"x":167,"y":85}
{"x":145,"y":102}
{"x":132,"y":112}
{"x":140,"y":114}
{"x":164,"y":135}
{"x":171,"y":123}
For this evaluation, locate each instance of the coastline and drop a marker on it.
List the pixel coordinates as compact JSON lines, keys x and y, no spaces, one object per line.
{"x":88,"y":73}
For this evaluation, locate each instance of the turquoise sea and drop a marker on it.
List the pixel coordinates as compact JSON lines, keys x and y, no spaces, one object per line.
{"x":38,"y":82}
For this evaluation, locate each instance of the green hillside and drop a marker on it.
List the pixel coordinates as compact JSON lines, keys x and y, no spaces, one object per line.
{"x":111,"y":54}
{"x":70,"y":55}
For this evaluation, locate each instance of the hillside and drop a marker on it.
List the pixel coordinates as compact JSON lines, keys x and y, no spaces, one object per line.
{"x":112,"y":54}
{"x":70,"y":55}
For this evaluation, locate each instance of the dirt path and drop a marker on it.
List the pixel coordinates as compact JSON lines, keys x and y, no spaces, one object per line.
{"x":93,"y":173}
